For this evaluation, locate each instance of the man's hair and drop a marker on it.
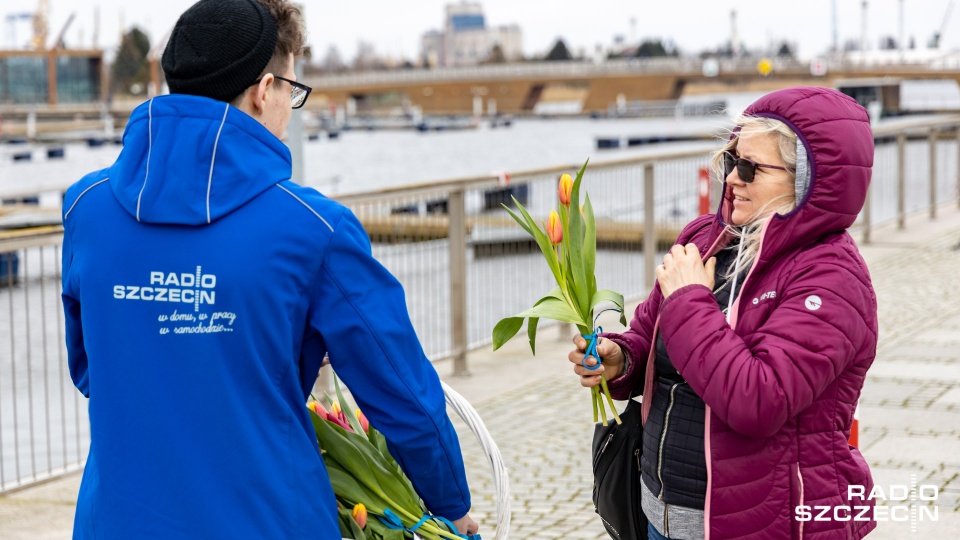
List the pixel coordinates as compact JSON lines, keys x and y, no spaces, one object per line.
{"x":290,"y":33}
{"x":291,"y":37}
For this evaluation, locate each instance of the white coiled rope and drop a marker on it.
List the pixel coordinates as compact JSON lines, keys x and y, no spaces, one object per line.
{"x":501,"y":480}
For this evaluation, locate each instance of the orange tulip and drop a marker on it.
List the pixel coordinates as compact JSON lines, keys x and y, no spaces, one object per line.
{"x":360,"y":515}
{"x":364,"y":423}
{"x":554,"y":229}
{"x":566,"y":186}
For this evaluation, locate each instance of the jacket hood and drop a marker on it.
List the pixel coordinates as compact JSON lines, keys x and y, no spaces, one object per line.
{"x":189,"y":160}
{"x":835,"y":131}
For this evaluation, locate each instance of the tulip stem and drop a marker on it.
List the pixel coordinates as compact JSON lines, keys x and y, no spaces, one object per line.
{"x":593,"y":395}
{"x":606,"y":393}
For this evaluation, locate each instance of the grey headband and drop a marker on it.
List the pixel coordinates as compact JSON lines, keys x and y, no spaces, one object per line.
{"x":802,"y":182}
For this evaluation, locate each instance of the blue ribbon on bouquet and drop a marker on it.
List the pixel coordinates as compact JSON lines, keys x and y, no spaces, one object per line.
{"x":393,"y":522}
{"x":593,"y":339}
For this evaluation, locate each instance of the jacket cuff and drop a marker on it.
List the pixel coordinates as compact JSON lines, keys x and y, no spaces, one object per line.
{"x":622,"y":387}
{"x":682,"y":291}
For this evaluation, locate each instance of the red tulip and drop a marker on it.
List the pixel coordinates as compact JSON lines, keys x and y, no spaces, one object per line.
{"x":360,"y":515}
{"x":554,"y":229}
{"x":566,"y":186}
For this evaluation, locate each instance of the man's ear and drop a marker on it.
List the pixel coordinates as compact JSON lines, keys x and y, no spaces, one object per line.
{"x":260,"y":92}
{"x":253,"y":100}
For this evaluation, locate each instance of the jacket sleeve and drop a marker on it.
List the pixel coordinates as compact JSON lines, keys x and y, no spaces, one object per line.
{"x":359,"y":309}
{"x":757,"y":382}
{"x":76,"y":352}
{"x":637,"y":339}
{"x":635,"y":342}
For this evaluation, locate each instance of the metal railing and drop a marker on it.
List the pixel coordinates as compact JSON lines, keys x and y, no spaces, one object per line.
{"x":463,"y":262}
{"x":44,"y":431}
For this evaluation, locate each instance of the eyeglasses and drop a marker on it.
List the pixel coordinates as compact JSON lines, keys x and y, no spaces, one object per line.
{"x":298,"y":94}
{"x":746,"y":169}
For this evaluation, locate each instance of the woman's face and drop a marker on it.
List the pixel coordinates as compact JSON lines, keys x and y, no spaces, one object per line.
{"x":770,"y":187}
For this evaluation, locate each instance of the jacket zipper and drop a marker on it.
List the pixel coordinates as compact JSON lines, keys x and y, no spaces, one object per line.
{"x":666,"y":520}
{"x":663,"y":439}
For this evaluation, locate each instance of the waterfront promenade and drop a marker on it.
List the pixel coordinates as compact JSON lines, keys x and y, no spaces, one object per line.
{"x":540,"y":416}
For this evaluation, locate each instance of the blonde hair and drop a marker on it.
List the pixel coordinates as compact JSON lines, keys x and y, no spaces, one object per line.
{"x":750,"y":233}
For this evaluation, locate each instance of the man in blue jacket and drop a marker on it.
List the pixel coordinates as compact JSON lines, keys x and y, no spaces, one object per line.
{"x":202,"y":290}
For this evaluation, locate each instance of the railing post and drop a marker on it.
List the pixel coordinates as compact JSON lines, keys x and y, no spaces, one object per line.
{"x":932,"y":139}
{"x":457,"y":234}
{"x":649,"y":228}
{"x":901,"y":180}
{"x":958,"y":165}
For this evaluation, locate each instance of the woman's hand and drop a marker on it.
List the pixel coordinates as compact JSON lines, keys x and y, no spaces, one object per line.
{"x":611,"y":367}
{"x":683,"y":266}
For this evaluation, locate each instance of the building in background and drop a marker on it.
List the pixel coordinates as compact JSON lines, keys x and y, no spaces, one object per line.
{"x":431,"y":48}
{"x":466,"y":40}
{"x":51,"y":77}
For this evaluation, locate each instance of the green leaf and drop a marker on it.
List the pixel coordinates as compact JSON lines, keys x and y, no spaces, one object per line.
{"x":545,"y":246}
{"x":518,"y":219}
{"x":589,"y":247}
{"x":575,"y":246}
{"x":367,"y":469}
{"x":348,"y":489}
{"x":379,"y":530}
{"x":532,"y":333}
{"x":379,"y":442}
{"x":607,"y":295}
{"x":506,"y":329}
{"x":552,"y":308}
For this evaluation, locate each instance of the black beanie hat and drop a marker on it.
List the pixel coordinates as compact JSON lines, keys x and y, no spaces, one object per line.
{"x":218,"y":48}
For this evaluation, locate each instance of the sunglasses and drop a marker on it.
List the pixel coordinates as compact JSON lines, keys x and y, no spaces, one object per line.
{"x":746,"y":169}
{"x":298,"y":94}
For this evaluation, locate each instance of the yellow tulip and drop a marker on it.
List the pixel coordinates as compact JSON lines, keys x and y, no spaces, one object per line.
{"x":566,"y":186}
{"x":360,"y":515}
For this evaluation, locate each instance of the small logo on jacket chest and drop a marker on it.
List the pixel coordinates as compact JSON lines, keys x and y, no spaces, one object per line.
{"x":765,"y":296}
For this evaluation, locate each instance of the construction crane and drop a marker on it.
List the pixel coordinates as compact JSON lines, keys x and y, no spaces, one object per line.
{"x":938,"y":35}
{"x":40,"y":25}
{"x":58,"y":43}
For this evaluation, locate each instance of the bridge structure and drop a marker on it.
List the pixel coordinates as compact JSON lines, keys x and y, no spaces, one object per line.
{"x":518,"y":88}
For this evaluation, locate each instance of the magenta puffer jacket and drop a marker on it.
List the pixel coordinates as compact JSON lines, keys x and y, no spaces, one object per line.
{"x":782,"y":378}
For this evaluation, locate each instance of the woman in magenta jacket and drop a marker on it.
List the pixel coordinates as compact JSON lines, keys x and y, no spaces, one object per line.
{"x":752,"y":349}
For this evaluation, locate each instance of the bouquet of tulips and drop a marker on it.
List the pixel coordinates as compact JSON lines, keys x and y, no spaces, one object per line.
{"x":569,"y":244}
{"x":375,"y":499}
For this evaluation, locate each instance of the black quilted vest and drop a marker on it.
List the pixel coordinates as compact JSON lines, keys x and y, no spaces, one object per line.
{"x":673,"y":463}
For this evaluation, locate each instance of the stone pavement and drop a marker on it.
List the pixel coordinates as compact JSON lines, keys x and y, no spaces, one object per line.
{"x":541,"y":418}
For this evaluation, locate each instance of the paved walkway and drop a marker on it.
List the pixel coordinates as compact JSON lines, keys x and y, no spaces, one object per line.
{"x":541,"y":417}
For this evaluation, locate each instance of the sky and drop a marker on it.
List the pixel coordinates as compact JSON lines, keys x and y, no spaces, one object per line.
{"x":394,"y":27}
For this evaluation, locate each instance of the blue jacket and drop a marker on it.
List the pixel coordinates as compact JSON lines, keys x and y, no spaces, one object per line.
{"x":202,"y":290}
